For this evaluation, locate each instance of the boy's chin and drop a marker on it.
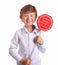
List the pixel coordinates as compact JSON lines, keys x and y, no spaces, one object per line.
{"x":30,"y":25}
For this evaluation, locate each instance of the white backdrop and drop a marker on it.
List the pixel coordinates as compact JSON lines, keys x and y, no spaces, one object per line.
{"x":10,"y":22}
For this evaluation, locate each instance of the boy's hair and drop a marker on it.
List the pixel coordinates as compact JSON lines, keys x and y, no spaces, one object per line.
{"x":28,"y":8}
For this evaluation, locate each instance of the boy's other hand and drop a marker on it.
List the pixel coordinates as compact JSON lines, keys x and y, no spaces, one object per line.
{"x":23,"y":61}
{"x":26,"y":61}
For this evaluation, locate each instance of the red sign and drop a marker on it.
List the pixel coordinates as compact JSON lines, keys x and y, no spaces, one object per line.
{"x":44,"y":22}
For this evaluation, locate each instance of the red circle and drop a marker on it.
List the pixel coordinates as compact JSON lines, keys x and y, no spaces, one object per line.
{"x":44,"y":22}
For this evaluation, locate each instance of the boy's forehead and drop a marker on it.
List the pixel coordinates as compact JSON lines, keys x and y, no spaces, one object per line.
{"x":29,"y":12}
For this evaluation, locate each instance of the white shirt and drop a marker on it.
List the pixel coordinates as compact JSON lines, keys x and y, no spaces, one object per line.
{"x":23,"y":45}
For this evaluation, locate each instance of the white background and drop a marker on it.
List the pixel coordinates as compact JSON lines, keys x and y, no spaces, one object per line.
{"x":10,"y":22}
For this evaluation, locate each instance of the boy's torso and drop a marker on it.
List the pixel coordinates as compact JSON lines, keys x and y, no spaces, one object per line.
{"x":27,"y":47}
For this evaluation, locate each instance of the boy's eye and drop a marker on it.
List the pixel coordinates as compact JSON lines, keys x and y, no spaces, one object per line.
{"x":31,"y":15}
{"x":25,"y":15}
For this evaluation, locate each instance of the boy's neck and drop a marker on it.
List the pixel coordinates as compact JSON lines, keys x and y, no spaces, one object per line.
{"x":30,"y":28}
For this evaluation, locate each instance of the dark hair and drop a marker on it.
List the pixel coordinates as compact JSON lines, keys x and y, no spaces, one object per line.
{"x":28,"y":8}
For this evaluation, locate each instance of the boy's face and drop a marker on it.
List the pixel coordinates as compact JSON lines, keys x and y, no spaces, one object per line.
{"x":28,"y":18}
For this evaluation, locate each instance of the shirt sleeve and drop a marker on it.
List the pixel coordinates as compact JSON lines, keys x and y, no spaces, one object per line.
{"x":14,"y":47}
{"x":42,"y":48}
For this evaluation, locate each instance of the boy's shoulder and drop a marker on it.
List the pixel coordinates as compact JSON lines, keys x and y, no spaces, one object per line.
{"x":37,"y":30}
{"x":19,"y":30}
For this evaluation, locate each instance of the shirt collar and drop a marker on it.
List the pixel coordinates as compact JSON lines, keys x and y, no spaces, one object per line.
{"x":26,"y":31}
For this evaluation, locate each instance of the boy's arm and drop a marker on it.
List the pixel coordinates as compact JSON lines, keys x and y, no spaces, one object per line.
{"x":40,"y":43}
{"x":13,"y":48}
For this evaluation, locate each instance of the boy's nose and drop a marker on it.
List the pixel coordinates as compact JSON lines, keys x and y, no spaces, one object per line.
{"x":28,"y":18}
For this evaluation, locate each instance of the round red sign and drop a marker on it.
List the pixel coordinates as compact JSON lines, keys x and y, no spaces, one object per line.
{"x":44,"y":22}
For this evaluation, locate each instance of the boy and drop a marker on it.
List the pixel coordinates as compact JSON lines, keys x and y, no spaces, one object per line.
{"x":26,"y":42}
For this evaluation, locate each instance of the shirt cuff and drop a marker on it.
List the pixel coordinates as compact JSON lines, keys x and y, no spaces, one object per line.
{"x":42,"y":48}
{"x":18,"y":58}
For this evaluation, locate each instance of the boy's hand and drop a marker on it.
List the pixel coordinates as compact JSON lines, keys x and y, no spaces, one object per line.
{"x":26,"y":61}
{"x":23,"y":61}
{"x":39,"y":40}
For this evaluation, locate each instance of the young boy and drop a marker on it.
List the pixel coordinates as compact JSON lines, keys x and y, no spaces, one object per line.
{"x":27,"y":42}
